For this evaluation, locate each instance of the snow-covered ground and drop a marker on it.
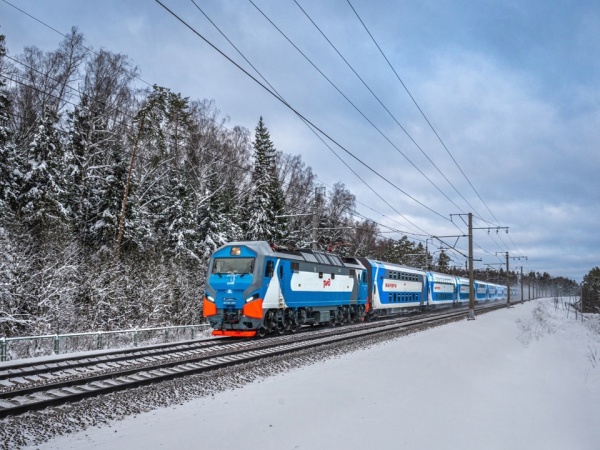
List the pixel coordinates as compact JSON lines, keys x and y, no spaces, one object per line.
{"x":521,"y":378}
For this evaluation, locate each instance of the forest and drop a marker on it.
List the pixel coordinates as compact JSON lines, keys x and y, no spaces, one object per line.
{"x":113,"y":197}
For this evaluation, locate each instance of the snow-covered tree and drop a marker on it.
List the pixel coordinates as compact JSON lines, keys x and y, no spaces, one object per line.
{"x":266,"y":201}
{"x":591,"y":291}
{"x":443,"y":262}
{"x":46,"y":180}
{"x":8,"y":155}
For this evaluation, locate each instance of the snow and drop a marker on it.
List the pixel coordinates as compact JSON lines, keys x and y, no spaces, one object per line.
{"x":520,"y":378}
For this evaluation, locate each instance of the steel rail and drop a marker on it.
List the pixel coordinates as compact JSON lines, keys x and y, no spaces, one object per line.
{"x":75,"y":361}
{"x":20,"y":401}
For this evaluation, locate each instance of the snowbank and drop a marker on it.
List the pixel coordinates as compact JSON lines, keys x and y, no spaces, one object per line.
{"x":521,"y":378}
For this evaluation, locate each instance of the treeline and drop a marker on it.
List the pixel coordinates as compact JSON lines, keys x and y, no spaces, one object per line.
{"x":79,"y":145}
{"x":590,"y":291}
{"x":112,"y":198}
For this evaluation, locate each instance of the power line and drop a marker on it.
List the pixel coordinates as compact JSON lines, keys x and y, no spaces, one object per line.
{"x":421,"y":111}
{"x":116,"y":109}
{"x":353,"y":105}
{"x":309,"y":127}
{"x":89,"y":49}
{"x":193,"y":30}
{"x":230,"y":164}
{"x":383,"y":105}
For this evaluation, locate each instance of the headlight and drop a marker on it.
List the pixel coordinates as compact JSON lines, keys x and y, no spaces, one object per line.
{"x":210,"y":299}
{"x":254,"y":297}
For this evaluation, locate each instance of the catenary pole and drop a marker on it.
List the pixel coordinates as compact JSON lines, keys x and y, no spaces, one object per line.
{"x":507,"y":282}
{"x":522,"y":299}
{"x":471,"y":280}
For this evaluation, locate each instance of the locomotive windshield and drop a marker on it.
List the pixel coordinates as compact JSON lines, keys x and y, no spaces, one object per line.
{"x":233,"y":265}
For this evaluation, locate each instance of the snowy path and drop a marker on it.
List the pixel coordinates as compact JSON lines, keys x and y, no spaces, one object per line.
{"x":523,"y":378}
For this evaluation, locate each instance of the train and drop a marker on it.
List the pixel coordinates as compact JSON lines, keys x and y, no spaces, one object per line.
{"x":254,"y":289}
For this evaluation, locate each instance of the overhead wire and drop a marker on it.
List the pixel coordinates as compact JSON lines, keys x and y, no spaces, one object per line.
{"x":353,"y":105}
{"x":295,"y":111}
{"x":421,"y":111}
{"x":133,"y":74}
{"x":383,"y":105}
{"x":304,"y":121}
{"x":311,"y":125}
{"x":89,"y":49}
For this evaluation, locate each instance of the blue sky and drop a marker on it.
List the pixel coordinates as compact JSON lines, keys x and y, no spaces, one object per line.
{"x":511,"y":87}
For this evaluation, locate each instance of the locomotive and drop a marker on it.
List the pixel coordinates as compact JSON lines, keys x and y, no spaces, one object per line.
{"x":254,"y":289}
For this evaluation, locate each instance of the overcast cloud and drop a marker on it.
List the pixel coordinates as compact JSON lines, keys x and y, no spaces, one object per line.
{"x":511,"y":87}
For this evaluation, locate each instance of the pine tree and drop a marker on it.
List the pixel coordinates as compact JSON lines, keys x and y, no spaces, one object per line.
{"x":11,"y":319}
{"x":230,"y":212}
{"x":590,"y":291}
{"x":266,"y":201}
{"x":211,"y":220}
{"x":280,"y":222}
{"x":443,"y":262}
{"x":46,"y":180}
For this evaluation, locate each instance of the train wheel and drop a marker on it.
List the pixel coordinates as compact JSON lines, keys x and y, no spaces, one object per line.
{"x":261,"y":332}
{"x":280,"y":328}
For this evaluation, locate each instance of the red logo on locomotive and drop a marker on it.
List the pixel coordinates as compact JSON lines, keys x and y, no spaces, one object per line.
{"x":391,"y":285}
{"x":327,"y":282}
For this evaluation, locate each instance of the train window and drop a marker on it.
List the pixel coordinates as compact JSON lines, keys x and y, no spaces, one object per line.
{"x":332,"y":276}
{"x":269,"y":269}
{"x":352,"y":273}
{"x":240,"y":266}
{"x":309,"y":257}
{"x":295,"y":267}
{"x":320,"y":274}
{"x":335,"y":260}
{"x":364,"y":277}
{"x":281,"y":270}
{"x":321,"y":258}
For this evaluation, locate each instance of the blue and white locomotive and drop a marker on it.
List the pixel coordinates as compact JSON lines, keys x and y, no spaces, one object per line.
{"x":255,"y":289}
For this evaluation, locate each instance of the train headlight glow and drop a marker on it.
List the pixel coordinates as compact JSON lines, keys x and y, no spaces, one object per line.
{"x":235,"y":251}
{"x":210,"y":299}
{"x":254,"y":297}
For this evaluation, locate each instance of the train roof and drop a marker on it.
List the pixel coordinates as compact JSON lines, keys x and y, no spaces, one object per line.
{"x":305,"y":254}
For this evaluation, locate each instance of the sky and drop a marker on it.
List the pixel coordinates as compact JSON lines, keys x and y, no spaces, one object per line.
{"x":489,"y":107}
{"x":520,"y":378}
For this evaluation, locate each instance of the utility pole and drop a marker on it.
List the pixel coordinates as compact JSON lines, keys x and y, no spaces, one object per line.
{"x":315,"y":218}
{"x":507,"y":279}
{"x":507,"y":283}
{"x":471,"y":280}
{"x":508,"y":276}
{"x":470,"y":259}
{"x":522,"y":299}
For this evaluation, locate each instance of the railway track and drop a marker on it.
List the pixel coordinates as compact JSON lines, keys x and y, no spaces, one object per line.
{"x":30,"y":387}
